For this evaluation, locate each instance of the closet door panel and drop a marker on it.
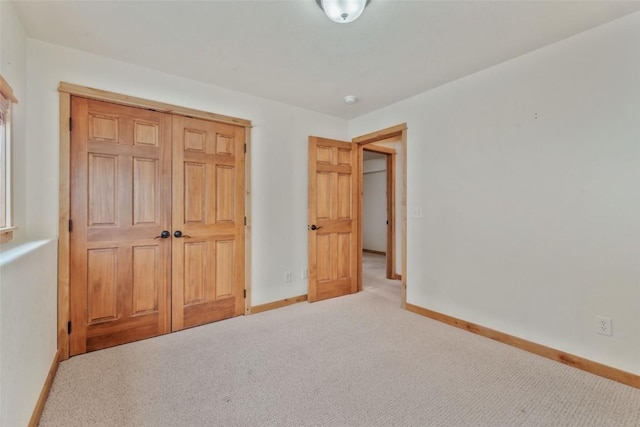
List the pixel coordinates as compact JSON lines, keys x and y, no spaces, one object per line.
{"x":208,"y":211}
{"x":120,"y":201}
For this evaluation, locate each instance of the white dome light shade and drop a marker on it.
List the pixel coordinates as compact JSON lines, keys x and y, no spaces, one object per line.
{"x":343,"y":11}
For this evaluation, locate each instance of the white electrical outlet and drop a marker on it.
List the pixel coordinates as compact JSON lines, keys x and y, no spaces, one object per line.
{"x":417,"y":213}
{"x":287,"y":276}
{"x":603,"y":325}
{"x":305,"y":273}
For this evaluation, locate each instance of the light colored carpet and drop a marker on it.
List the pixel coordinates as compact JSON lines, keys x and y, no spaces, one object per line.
{"x":358,"y":360}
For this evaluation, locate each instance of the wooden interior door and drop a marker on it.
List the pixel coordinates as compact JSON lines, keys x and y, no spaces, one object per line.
{"x":208,"y":213}
{"x":333,"y":249}
{"x":120,"y":202}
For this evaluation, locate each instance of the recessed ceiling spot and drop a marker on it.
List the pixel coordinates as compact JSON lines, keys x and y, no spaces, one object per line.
{"x":350,"y":99}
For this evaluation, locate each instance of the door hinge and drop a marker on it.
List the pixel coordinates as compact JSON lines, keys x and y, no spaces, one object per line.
{"x":245,"y":220}
{"x":245,"y":148}
{"x":70,"y":226}
{"x":69,"y":327}
{"x":70,"y":124}
{"x":245,"y":293}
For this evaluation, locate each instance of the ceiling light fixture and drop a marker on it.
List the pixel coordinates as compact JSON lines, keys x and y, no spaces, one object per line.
{"x":343,"y":11}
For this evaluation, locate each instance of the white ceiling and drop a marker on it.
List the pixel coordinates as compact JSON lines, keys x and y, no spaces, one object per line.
{"x":290,"y":52}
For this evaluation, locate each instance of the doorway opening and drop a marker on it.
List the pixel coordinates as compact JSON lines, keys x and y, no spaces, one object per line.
{"x":378,"y":206}
{"x":391,"y":144}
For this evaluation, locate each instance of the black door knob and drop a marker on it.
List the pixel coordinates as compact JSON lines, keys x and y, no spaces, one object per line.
{"x":315,"y":227}
{"x":177,"y":234}
{"x":164,"y":235}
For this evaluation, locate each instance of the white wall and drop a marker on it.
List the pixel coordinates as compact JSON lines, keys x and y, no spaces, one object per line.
{"x":28,"y":297}
{"x":27,"y":267}
{"x":374,"y":203}
{"x":529,"y":177}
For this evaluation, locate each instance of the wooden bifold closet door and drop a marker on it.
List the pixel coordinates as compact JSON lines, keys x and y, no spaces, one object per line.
{"x":157,"y":203}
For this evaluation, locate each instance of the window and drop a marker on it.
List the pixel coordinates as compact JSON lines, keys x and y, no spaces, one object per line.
{"x":6,"y":219}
